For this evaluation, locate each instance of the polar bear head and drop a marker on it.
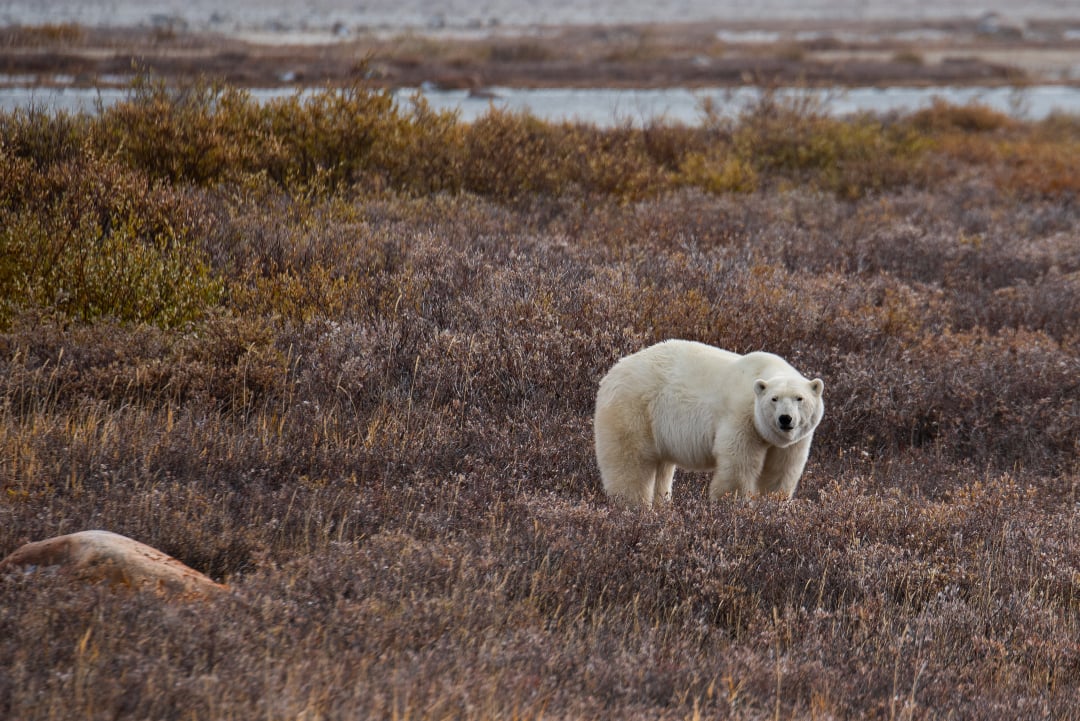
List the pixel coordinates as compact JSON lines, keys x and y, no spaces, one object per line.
{"x":787,"y":408}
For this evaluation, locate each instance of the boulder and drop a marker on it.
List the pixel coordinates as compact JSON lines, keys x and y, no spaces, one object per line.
{"x":96,"y":556}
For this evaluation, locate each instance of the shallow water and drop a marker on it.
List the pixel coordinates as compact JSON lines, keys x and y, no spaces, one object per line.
{"x":610,"y":107}
{"x":606,"y":106}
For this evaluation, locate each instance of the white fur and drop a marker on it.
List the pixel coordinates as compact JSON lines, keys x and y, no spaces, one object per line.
{"x":686,"y":404}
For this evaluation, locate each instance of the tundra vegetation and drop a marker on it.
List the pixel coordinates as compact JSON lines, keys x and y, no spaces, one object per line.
{"x":341,"y":355}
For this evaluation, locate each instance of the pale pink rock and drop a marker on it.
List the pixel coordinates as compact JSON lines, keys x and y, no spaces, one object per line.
{"x":120,"y":561}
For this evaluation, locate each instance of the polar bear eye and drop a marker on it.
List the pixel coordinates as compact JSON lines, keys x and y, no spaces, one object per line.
{"x":775,"y":399}
{"x":799,"y":399}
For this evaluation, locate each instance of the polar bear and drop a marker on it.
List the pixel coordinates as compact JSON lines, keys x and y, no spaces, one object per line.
{"x":747,"y":418}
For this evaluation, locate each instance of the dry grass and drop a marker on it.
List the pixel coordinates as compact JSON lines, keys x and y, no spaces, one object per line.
{"x":368,"y":411}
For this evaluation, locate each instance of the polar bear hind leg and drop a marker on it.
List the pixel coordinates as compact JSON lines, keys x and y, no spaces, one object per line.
{"x":627,"y":457}
{"x":630,"y":481}
{"x":665,"y":474}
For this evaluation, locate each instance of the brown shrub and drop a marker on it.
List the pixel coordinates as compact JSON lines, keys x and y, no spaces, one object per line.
{"x":529,"y":156}
{"x":378,"y":433}
{"x":943,"y":117}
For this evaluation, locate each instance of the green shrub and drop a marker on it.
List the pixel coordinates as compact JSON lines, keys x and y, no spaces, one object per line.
{"x":84,"y":273}
{"x":718,"y":173}
{"x":198,"y":133}
{"x":339,"y":135}
{"x":359,"y":137}
{"x":42,"y":137}
{"x":329,"y":138}
{"x":618,"y":162}
{"x":422,"y":152}
{"x":796,"y":140}
{"x":90,"y":240}
{"x":508,"y":155}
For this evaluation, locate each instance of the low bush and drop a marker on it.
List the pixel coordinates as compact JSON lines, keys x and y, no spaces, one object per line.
{"x":798,"y":141}
{"x":87,"y":239}
{"x":943,"y":117}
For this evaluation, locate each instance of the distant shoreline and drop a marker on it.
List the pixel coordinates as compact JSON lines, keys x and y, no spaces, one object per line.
{"x":348,"y":17}
{"x":843,"y":54}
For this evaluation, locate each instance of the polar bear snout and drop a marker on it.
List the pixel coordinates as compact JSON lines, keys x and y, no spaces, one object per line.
{"x":785,"y":422}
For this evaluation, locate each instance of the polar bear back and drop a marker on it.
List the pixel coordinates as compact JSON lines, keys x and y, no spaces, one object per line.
{"x":683,"y":368}
{"x":671,"y":377}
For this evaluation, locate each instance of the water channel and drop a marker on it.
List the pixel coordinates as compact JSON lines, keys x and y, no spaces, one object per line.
{"x":610,"y":107}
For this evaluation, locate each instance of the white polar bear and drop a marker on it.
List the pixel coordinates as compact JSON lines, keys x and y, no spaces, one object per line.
{"x":747,"y":418}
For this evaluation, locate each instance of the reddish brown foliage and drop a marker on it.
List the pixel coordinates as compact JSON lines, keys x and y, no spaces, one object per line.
{"x":378,"y":433}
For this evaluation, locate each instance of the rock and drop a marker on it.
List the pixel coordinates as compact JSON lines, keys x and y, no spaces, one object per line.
{"x":96,"y":556}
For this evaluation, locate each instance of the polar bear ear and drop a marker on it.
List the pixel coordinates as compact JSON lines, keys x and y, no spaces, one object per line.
{"x":759,"y":387}
{"x":817,"y":386}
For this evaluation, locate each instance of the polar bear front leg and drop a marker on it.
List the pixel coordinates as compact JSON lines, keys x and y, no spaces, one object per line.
{"x":739,"y":462}
{"x":723,"y":482}
{"x":784,"y":468}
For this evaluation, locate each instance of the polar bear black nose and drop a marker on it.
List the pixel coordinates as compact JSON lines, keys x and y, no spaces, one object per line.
{"x":785,"y":422}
